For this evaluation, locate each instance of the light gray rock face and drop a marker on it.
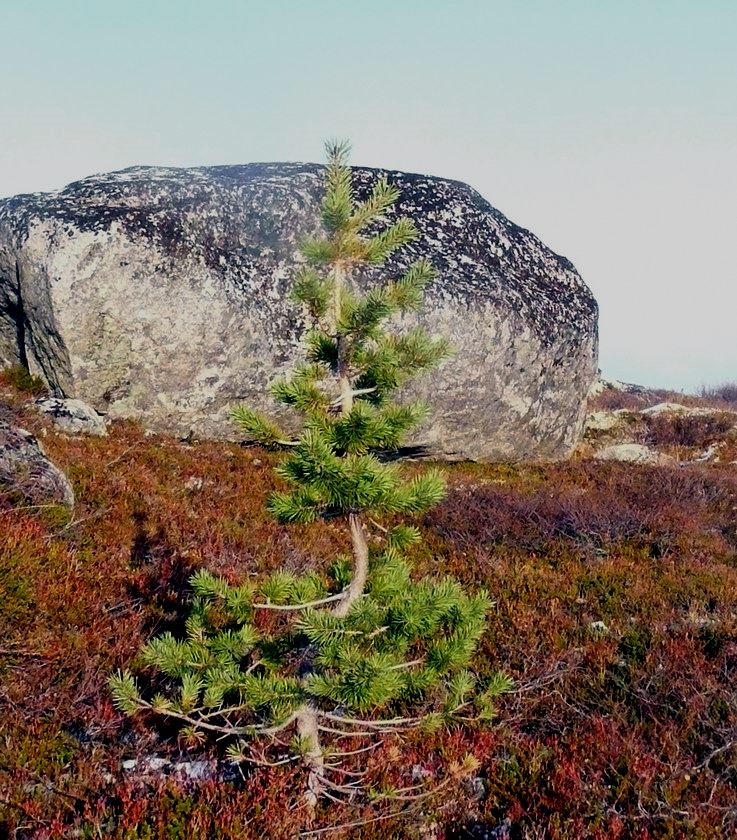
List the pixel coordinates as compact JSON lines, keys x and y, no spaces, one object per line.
{"x":632,"y":453}
{"x":162,"y":294}
{"x":26,"y":470}
{"x":72,"y":416}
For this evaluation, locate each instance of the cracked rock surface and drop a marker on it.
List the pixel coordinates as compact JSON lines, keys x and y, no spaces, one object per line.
{"x":162,"y":295}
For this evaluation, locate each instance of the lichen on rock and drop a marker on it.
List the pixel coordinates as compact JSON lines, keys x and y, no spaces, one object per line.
{"x":26,"y":470}
{"x":72,"y":416}
{"x":162,"y":294}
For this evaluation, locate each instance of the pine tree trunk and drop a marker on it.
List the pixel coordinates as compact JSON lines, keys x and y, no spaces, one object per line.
{"x":338,"y":281}
{"x":308,"y":730}
{"x":360,"y":569}
{"x":307,"y":726}
{"x":358,"y":538}
{"x":346,"y":395}
{"x":344,"y":382}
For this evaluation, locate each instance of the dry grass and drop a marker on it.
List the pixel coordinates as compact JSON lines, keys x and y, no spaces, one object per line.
{"x":724,"y":395}
{"x":719,"y":398}
{"x":689,"y":431}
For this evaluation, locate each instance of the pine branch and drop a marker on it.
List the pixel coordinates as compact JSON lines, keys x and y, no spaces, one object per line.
{"x":313,"y":290}
{"x":406,"y":293}
{"x":337,"y":205}
{"x":383,"y":196}
{"x":373,"y":723}
{"x":317,"y":251}
{"x":301,"y":507}
{"x":301,"y":390}
{"x":323,"y":349}
{"x":381,"y":246}
{"x":306,"y":606}
{"x":260,"y":429}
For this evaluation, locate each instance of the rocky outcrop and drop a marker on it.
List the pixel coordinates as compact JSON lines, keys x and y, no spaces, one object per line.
{"x":665,"y":433}
{"x":675,"y":408}
{"x":602,"y":384}
{"x":26,"y":471}
{"x":162,"y":294}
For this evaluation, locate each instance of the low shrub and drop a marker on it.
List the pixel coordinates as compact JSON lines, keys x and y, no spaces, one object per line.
{"x":688,"y":430}
{"x":615,"y":590}
{"x":587,"y":506}
{"x":20,"y":378}
{"x":723,"y":394}
{"x":612,"y":399}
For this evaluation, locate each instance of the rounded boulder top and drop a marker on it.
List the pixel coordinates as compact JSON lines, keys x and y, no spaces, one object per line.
{"x":163,"y":294}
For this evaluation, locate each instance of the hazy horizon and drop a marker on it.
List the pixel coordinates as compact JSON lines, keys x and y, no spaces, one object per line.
{"x":609,"y":130}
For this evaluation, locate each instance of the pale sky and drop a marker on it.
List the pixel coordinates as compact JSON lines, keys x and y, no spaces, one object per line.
{"x":608,"y":128}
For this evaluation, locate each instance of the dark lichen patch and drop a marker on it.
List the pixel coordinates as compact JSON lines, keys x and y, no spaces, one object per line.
{"x":164,"y":294}
{"x":245,"y":222}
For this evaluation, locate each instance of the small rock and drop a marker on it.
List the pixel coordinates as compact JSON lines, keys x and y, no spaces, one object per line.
{"x":632,"y":453}
{"x":147,"y":764}
{"x":193,"y":484}
{"x":74,"y":417}
{"x":710,"y":454}
{"x":602,"y":421}
{"x":25,"y":468}
{"x":196,"y":770}
{"x":602,"y":384}
{"x":664,"y":408}
{"x":679,"y":408}
{"x":152,"y":764}
{"x":598,"y":628}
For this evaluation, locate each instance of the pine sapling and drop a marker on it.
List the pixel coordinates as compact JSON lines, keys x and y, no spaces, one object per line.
{"x":370,"y":650}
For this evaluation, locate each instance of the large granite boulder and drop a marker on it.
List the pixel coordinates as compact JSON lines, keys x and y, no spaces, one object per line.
{"x":161,"y":294}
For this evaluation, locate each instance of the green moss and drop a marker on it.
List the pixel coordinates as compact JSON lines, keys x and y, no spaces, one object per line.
{"x":45,"y":752}
{"x":634,"y":644}
{"x":713,"y":638}
{"x":56,"y":516}
{"x":17,"y":601}
{"x":605,"y":591}
{"x":176,"y":817}
{"x":22,"y":379}
{"x":719,"y":711}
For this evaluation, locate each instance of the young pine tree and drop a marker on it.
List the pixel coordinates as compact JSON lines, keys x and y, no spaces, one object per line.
{"x":371,"y":650}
